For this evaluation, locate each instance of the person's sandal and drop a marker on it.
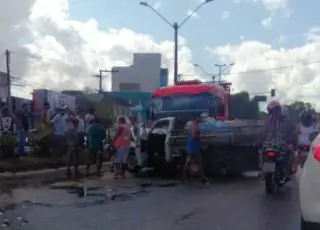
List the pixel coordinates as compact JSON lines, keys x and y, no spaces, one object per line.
{"x":116,"y":176}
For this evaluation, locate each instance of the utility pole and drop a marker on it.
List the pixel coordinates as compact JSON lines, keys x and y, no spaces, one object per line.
{"x":100,"y":76}
{"x":8,"y":65}
{"x":220,"y":66}
{"x":176,"y":26}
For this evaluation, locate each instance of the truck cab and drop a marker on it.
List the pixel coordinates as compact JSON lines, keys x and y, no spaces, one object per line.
{"x":190,"y":98}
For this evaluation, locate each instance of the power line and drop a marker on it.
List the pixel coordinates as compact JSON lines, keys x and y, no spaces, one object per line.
{"x":100,"y":76}
{"x":263,"y":70}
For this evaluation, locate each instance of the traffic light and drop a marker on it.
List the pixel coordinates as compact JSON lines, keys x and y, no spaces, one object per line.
{"x":260,"y":98}
{"x":273,"y":92}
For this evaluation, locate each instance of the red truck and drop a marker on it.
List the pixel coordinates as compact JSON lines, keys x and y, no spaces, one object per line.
{"x":229,"y":146}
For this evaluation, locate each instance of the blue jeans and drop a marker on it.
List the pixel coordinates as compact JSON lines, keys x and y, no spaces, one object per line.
{"x":22,"y":135}
{"x":121,"y":155}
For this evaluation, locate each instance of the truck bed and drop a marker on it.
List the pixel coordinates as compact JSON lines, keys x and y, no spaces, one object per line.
{"x":235,"y":136}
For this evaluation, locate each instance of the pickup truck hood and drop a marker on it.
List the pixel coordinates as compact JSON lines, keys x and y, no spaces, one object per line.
{"x":185,"y":115}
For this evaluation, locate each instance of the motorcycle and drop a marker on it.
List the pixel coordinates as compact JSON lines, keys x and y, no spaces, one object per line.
{"x":303,"y":152}
{"x":275,"y":168}
{"x":304,"y":149}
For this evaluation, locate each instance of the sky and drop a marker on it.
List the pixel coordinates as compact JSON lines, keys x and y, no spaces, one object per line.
{"x":61,"y":44}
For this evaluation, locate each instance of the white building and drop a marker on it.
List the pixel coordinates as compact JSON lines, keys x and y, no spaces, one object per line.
{"x":144,"y":75}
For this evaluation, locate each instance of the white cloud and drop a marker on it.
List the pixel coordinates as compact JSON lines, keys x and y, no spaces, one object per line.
{"x":65,"y":52}
{"x":274,"y":4}
{"x":282,"y":38}
{"x":313,"y":34}
{"x":271,"y":5}
{"x":68,"y":51}
{"x":191,"y":12}
{"x":301,"y":80}
{"x":267,"y":23}
{"x":225,"y":15}
{"x":287,"y":12}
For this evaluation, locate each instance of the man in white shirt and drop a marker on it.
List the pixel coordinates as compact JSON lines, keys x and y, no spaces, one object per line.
{"x":81,"y":128}
{"x":60,"y":125}
{"x":89,"y":118}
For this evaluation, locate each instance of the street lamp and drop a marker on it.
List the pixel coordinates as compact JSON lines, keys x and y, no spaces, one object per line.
{"x":222,"y":68}
{"x":176,"y":26}
{"x":204,"y":71}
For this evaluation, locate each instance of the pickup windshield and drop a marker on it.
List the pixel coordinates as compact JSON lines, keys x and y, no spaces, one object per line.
{"x":194,"y":102}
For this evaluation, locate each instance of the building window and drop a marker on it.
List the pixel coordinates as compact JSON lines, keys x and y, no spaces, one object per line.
{"x":129,"y":87}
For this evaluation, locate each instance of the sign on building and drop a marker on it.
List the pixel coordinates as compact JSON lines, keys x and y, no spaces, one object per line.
{"x":61,"y":101}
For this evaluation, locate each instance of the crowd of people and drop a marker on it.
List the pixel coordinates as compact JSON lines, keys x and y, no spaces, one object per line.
{"x":73,"y":132}
{"x":70,"y":133}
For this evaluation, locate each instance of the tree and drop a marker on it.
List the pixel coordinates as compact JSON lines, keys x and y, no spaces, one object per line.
{"x":241,"y":107}
{"x":295,"y":109}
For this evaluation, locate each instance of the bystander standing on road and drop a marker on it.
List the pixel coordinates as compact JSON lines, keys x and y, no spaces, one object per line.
{"x":121,"y":141}
{"x":194,"y":150}
{"x":60,"y":126}
{"x":73,"y":146}
{"x":22,"y":128}
{"x":96,"y":135}
{"x":89,"y":118}
{"x":81,"y":128}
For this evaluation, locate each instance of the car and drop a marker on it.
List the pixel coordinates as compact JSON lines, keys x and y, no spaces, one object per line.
{"x":309,"y":188}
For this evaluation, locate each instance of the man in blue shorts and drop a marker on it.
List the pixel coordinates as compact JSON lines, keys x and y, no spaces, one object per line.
{"x":194,"y":150}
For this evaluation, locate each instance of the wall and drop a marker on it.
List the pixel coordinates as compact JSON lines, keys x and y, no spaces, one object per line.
{"x":121,"y":110}
{"x":142,"y":76}
{"x":136,"y":98}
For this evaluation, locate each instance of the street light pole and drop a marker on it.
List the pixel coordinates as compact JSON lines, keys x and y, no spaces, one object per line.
{"x":176,"y":57}
{"x":176,"y":26}
{"x":221,"y":68}
{"x":205,"y":72}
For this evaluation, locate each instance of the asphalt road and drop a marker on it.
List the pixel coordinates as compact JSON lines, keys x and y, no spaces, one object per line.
{"x":150,"y":204}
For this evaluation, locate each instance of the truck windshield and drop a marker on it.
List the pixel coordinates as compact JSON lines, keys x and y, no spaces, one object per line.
{"x":184,"y":102}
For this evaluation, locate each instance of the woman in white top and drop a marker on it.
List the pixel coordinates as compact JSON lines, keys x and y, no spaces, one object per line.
{"x":306,"y":128}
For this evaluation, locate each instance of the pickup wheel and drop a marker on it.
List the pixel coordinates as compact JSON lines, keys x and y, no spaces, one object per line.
{"x":166,"y":169}
{"x":304,"y":225}
{"x":132,"y":163}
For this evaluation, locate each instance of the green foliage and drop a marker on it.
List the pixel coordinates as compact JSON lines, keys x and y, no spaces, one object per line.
{"x":241,"y":107}
{"x":262,"y":115}
{"x":103,"y":111}
{"x":295,"y":109}
{"x":8,"y":143}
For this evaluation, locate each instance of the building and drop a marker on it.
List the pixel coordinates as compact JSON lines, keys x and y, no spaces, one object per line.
{"x":140,"y":102}
{"x":105,"y":103}
{"x":144,"y":75}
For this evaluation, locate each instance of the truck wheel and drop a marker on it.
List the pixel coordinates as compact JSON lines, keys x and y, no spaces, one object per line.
{"x":270,"y":185}
{"x":304,"y":225}
{"x":132,"y":164}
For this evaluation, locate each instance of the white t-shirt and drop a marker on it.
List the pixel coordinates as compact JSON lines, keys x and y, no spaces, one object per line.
{"x":89,"y":121}
{"x":305,"y":133}
{"x":81,"y":125}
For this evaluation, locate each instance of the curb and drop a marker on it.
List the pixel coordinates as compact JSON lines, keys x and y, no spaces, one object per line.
{"x":46,"y":174}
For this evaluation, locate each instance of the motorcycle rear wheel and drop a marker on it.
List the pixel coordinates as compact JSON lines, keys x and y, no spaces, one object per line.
{"x":270,"y":186}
